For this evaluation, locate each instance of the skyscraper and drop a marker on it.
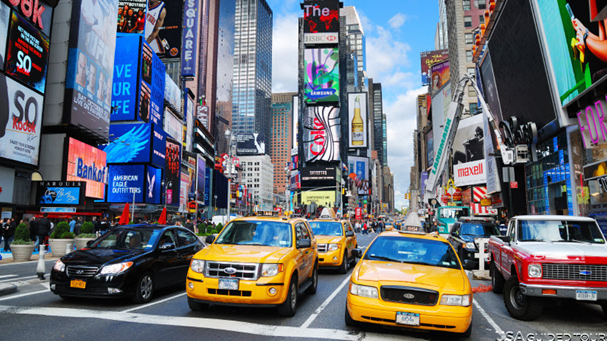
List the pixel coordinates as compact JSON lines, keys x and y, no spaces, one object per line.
{"x":252,"y":92}
{"x":378,"y":117}
{"x":281,"y":138}
{"x":356,"y":44}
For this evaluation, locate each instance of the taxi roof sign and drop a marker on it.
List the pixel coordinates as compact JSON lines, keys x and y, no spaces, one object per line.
{"x":327,"y":213}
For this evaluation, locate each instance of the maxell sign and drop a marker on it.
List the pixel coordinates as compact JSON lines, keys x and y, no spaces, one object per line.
{"x":321,"y":38}
{"x":470,"y":173}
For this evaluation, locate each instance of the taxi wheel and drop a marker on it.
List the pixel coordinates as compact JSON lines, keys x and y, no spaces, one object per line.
{"x":497,"y":280}
{"x":343,"y":268}
{"x":348,"y":319}
{"x":521,"y":307}
{"x":312,"y":288}
{"x":288,"y":307}
{"x":144,"y":288}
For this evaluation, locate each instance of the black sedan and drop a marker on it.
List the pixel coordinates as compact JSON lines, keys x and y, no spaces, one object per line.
{"x":131,"y":260}
{"x":464,"y":237}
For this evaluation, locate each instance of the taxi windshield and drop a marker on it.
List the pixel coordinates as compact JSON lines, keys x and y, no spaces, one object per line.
{"x":327,"y":228}
{"x":262,"y":233}
{"x":413,"y":251}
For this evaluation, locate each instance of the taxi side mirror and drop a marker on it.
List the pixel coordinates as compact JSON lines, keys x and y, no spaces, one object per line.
{"x":210,"y":239}
{"x":350,"y":234}
{"x":304,"y":243}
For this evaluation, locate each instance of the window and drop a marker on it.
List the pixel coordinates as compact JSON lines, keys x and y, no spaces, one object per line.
{"x":471,"y":91}
{"x":186,"y":238}
{"x":467,"y":21}
{"x":471,"y":71}
{"x":473,"y":107}
{"x":482,"y":4}
{"x":468,"y":55}
{"x":468,"y":38}
{"x":481,"y":19}
{"x":466,"y":4}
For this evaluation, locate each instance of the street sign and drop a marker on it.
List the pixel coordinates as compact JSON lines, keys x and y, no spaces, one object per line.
{"x":513,"y":184}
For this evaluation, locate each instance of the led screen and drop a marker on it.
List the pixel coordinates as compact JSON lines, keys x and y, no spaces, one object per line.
{"x":124,"y":180}
{"x":60,"y":192}
{"x":429,"y":58}
{"x":132,"y":16}
{"x":357,"y":120}
{"x":321,"y":16}
{"x":87,"y":163}
{"x":172,"y":171}
{"x":200,"y":180}
{"x":153,"y":185}
{"x":321,"y":75}
{"x":163,"y":27}
{"x":4,"y":20}
{"x":321,"y":133}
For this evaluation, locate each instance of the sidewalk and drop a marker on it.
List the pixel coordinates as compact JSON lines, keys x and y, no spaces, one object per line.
{"x":11,"y":287}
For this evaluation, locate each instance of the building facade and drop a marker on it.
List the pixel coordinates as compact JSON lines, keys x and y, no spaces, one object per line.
{"x":281,"y":139}
{"x":257,"y":173}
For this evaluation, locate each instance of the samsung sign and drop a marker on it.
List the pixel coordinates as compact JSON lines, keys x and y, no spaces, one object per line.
{"x":321,"y":38}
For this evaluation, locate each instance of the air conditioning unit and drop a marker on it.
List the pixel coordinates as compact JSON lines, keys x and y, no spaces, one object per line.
{"x":521,"y":153}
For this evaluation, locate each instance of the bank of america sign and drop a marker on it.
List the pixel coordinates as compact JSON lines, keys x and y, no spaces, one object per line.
{"x":321,"y":38}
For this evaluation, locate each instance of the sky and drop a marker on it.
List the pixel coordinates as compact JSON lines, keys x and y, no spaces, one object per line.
{"x":396,"y":32}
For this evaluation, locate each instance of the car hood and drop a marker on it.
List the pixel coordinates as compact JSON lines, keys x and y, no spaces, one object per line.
{"x":242,"y":253}
{"x":430,"y":277}
{"x":98,"y":256}
{"x":562,"y":250}
{"x":320,"y":239}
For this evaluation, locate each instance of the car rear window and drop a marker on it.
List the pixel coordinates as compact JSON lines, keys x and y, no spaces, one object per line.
{"x":413,"y":251}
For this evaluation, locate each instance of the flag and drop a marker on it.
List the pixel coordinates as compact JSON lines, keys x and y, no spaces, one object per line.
{"x":163,"y":217}
{"x":124,"y":218}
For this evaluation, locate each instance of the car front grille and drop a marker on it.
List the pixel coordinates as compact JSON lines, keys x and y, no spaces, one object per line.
{"x":575,"y":272}
{"x":409,"y":295}
{"x":248,"y":271}
{"x":81,"y":271}
{"x":322,"y":247}
{"x":224,"y":292}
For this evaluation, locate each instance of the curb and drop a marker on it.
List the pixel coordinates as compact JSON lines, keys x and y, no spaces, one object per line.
{"x":7,"y":288}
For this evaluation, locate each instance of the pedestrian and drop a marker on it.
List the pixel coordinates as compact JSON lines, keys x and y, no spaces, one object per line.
{"x":96,"y":225}
{"x":72,"y":224}
{"x":365,"y":228}
{"x":503,"y":226}
{"x":9,"y":233}
{"x":44,"y":228}
{"x":78,"y":225}
{"x":104,"y":225}
{"x":188,"y":225}
{"x":2,"y":229}
{"x":34,"y":231}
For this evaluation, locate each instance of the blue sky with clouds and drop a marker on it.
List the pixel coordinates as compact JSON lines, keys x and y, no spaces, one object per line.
{"x":396,"y":32}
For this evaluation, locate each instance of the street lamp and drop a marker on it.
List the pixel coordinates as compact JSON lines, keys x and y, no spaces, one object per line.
{"x":230,"y":137}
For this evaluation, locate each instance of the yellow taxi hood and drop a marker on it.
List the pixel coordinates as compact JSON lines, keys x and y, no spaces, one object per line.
{"x":320,"y":239}
{"x":242,"y":253}
{"x":388,"y":273}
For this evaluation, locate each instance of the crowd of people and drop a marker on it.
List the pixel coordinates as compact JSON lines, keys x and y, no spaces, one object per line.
{"x":369,"y":226}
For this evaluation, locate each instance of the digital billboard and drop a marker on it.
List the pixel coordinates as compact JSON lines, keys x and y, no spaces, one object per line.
{"x":318,"y":176}
{"x":429,"y":148}
{"x":27,"y":53}
{"x":489,"y":87}
{"x":153,"y":185}
{"x":153,"y":74}
{"x":469,"y":141}
{"x":60,"y":192}
{"x":440,"y":75}
{"x":321,"y":16}
{"x":359,"y":166}
{"x":190,"y":38}
{"x":88,"y":96}
{"x":163,"y":27}
{"x":130,"y":143}
{"x":321,"y":75}
{"x":321,"y":133}
{"x":172,"y":172}
{"x":429,"y":58}
{"x":87,"y":163}
{"x":172,"y":93}
{"x":296,"y":116}
{"x":20,"y":121}
{"x":200,"y":178}
{"x":37,"y":12}
{"x":321,"y":198}
{"x":173,"y":126}
{"x":124,"y":180}
{"x":5,"y":13}
{"x":132,"y":16}
{"x":357,"y":120}
{"x":207,"y":185}
{"x":250,"y":144}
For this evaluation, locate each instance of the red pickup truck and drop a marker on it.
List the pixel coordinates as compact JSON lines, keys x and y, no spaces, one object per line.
{"x":542,"y":257}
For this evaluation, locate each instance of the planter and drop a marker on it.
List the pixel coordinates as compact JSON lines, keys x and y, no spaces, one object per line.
{"x":22,"y":253}
{"x":81,"y":242}
{"x":58,"y":246}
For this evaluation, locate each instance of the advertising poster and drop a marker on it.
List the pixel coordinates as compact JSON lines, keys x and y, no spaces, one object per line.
{"x":172,"y":171}
{"x":153,"y":74}
{"x":126,"y":75}
{"x":173,"y":126}
{"x":20,"y":122}
{"x":183,"y":192}
{"x":321,"y":198}
{"x":37,"y":12}
{"x":357,"y":120}
{"x":429,"y":58}
{"x":163,"y":27}
{"x":321,"y":75}
{"x":159,"y":145}
{"x":207,"y":185}
{"x":190,"y":38}
{"x":60,"y":192}
{"x":5,"y":13}
{"x":490,"y":88}
{"x":424,"y":178}
{"x":321,"y":16}
{"x":131,"y":143}
{"x":295,"y":122}
{"x":440,"y":75}
{"x":430,"y":148}
{"x":90,"y":61}
{"x":27,"y":53}
{"x":132,"y":16}
{"x":153,"y":185}
{"x":250,"y":144}
{"x":359,"y":172}
{"x":172,"y":93}
{"x":470,"y":173}
{"x":126,"y":181}
{"x":200,"y":178}
{"x":469,"y":141}
{"x":321,"y":134}
{"x":87,"y":163}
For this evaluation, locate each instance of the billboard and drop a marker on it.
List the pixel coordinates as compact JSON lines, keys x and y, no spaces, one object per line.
{"x":172,"y":172}
{"x":172,"y":93}
{"x":190,"y":38}
{"x":132,"y":16}
{"x":321,"y":16}
{"x":321,"y":75}
{"x":87,"y":163}
{"x":124,"y":181}
{"x":200,"y":178}
{"x":321,"y":134}
{"x":60,"y":192}
{"x":37,"y":12}
{"x":173,"y":126}
{"x":321,"y":198}
{"x":27,"y":53}
{"x":5,"y":13}
{"x":136,"y":143}
{"x":489,"y":87}
{"x":429,"y":58}
{"x":163,"y":27}
{"x":429,"y":148}
{"x":440,"y":108}
{"x":357,"y":120}
{"x":470,"y":173}
{"x":318,"y":176}
{"x":295,"y":134}
{"x":359,"y":172}
{"x":20,"y":122}
{"x":469,"y":141}
{"x":88,"y":96}
{"x":153,"y":185}
{"x":250,"y":144}
{"x":440,"y":75}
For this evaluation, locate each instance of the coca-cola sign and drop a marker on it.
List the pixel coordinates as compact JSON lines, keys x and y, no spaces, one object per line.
{"x":321,"y":133}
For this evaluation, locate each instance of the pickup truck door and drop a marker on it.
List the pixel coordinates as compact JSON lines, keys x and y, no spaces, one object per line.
{"x":505,"y":252}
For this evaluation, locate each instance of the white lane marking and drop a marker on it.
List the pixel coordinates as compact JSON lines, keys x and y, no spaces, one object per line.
{"x":17,"y":279}
{"x":324,"y":304}
{"x":23,"y":295}
{"x":153,"y":303}
{"x":190,"y":322}
{"x":6,"y":276}
{"x":498,"y":330}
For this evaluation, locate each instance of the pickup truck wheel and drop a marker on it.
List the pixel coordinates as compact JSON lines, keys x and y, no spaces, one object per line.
{"x":311,"y":290}
{"x":521,"y":307}
{"x":344,"y":264}
{"x":288,"y":307}
{"x":497,"y":280}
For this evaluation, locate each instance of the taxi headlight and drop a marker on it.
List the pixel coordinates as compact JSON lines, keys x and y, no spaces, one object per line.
{"x":115,"y":269}
{"x":333,"y":247}
{"x":197,"y":265}
{"x":59,"y":266}
{"x":461,"y":300}
{"x":470,"y":245}
{"x":269,"y":270}
{"x":534,"y":270}
{"x":363,"y":290}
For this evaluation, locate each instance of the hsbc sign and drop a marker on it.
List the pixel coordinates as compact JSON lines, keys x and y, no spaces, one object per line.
{"x":321,"y":38}
{"x":470,"y":173}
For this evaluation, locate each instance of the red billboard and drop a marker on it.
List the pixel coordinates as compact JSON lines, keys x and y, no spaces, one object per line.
{"x":87,"y":163}
{"x":429,"y":58}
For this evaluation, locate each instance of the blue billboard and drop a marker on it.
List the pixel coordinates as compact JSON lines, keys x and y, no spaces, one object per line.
{"x":159,"y":146}
{"x":130,"y":143}
{"x":123,"y":181}
{"x":153,"y":185}
{"x":190,"y":38}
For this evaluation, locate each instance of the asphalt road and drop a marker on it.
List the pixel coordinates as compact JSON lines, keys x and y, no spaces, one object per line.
{"x":33,"y":312}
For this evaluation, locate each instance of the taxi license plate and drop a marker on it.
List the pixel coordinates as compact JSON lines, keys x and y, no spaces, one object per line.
{"x":585,"y":295}
{"x":77,"y":283}
{"x":410,"y":319}
{"x":228,"y":284}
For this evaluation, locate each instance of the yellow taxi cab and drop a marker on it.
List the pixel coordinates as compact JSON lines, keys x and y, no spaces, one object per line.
{"x":410,"y":279}
{"x":336,"y":240}
{"x":255,"y":261}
